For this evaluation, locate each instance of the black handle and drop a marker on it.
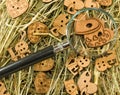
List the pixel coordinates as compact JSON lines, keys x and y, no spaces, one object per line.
{"x":27,"y":61}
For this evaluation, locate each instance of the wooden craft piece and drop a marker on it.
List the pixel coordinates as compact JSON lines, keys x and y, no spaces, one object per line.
{"x":22,"y":49}
{"x":61,"y":22}
{"x":101,"y":64}
{"x":80,"y":17}
{"x":91,"y":4}
{"x":16,"y":8}
{"x":83,"y":61}
{"x":73,"y":67}
{"x":55,"y":31}
{"x":3,"y":90}
{"x":46,"y":1}
{"x":73,"y":5}
{"x":71,"y":87}
{"x":91,"y":88}
{"x":36,"y":27}
{"x":95,"y":34}
{"x":84,"y":80}
{"x":85,"y":85}
{"x":106,"y":61}
{"x":42,"y":83}
{"x":88,"y":26}
{"x":12,"y":54}
{"x":105,"y":2}
{"x":113,"y":57}
{"x":45,"y":65}
{"x":99,"y":38}
{"x":84,"y":92}
{"x":71,"y":9}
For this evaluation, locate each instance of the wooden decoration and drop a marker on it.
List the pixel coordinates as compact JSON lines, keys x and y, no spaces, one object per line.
{"x":45,"y":65}
{"x":12,"y":54}
{"x":105,"y":2}
{"x":75,"y":65}
{"x":87,"y":26}
{"x":71,"y":9}
{"x":60,"y":24}
{"x":106,"y":61}
{"x":83,"y":61}
{"x":21,"y":48}
{"x":94,"y":31}
{"x":16,"y":8}
{"x":36,"y":27}
{"x":100,"y":38}
{"x":73,"y":5}
{"x":91,"y":4}
{"x":55,"y":31}
{"x":80,"y":17}
{"x":84,"y":84}
{"x":42,"y":83}
{"x":3,"y":90}
{"x":71,"y":87}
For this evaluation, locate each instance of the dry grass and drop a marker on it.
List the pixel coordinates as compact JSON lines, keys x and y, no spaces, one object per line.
{"x":21,"y":83}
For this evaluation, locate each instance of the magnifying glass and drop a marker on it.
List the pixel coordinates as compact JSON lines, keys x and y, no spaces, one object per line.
{"x":73,"y":41}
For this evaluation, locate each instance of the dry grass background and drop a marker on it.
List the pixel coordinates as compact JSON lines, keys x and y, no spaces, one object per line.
{"x":22,"y":82}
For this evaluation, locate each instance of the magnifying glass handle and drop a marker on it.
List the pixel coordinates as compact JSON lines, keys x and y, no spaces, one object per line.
{"x":32,"y":59}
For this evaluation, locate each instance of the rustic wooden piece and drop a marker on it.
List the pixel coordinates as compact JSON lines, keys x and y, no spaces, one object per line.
{"x":45,"y":65}
{"x":71,"y":87}
{"x":16,"y":8}
{"x":105,"y":2}
{"x":36,"y":27}
{"x":42,"y":83}
{"x":106,"y":61}
{"x":3,"y":90}
{"x":60,"y":23}
{"x":73,"y":5}
{"x":84,"y":84}
{"x":91,"y":4}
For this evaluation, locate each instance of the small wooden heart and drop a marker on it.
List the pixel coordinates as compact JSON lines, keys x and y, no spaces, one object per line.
{"x":16,"y":8}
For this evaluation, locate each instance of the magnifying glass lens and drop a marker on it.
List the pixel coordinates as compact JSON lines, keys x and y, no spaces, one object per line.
{"x":91,"y":30}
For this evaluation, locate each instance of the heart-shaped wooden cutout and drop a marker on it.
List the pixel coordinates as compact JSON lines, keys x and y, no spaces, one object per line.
{"x":45,"y":65}
{"x":42,"y":83}
{"x":91,"y":4}
{"x":84,"y":80}
{"x":16,"y":8}
{"x":91,"y":88}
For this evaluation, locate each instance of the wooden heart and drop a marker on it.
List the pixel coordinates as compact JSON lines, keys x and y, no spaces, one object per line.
{"x":91,"y":4}
{"x":78,"y":3}
{"x":3,"y":90}
{"x":61,"y":22}
{"x":36,"y":27}
{"x":16,"y":8}
{"x":42,"y":83}
{"x":91,"y":88}
{"x":105,"y":2}
{"x":84,"y":80}
{"x":45,"y":65}
{"x":71,"y":87}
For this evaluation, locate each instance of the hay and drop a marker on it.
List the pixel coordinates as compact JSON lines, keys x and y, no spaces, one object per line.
{"x":21,"y":83}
